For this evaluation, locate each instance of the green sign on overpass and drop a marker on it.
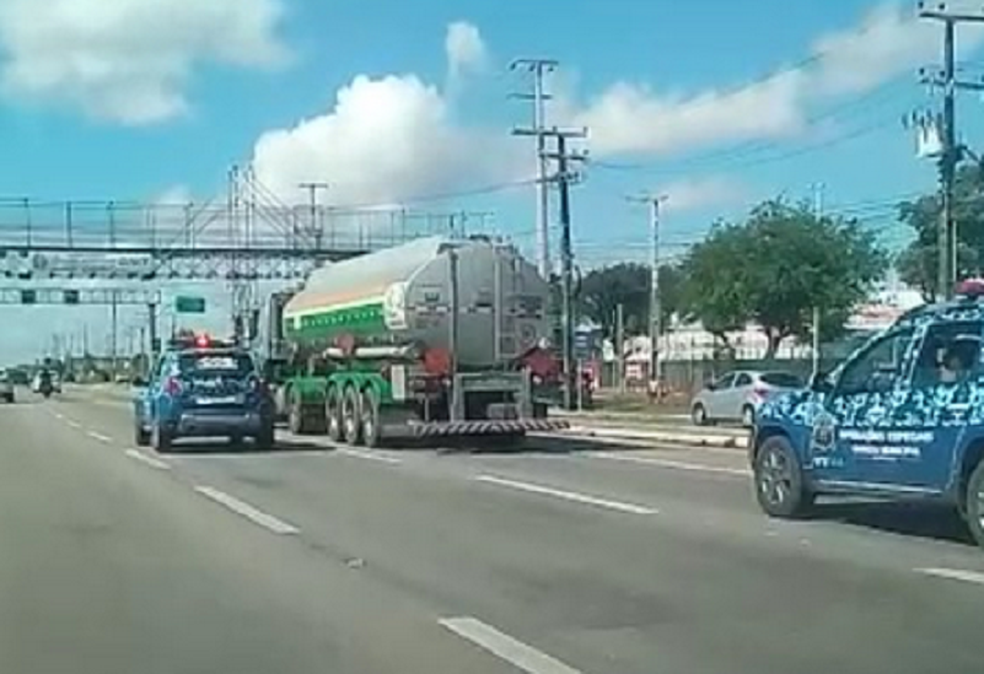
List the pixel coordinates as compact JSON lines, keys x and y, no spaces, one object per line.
{"x":184,"y":304}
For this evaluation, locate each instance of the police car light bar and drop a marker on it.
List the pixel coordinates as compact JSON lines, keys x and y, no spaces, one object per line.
{"x":972,"y":288}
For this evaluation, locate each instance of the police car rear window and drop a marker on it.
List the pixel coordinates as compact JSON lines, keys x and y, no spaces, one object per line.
{"x":215,"y":363}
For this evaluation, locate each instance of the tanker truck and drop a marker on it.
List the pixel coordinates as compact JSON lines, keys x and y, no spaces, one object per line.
{"x":436,"y":338}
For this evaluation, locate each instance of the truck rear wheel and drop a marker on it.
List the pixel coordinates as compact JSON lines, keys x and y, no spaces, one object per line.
{"x":351,"y":416}
{"x":333,"y":414}
{"x":371,"y":432}
{"x":301,"y":421}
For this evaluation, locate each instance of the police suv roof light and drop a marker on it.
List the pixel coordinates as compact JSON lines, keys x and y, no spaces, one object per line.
{"x":971,"y":289}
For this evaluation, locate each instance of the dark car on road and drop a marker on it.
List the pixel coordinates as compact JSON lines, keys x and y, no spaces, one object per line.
{"x":203,"y":389}
{"x":902,"y":417}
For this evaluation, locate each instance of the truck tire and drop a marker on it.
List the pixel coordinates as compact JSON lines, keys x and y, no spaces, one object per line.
{"x":333,"y":414}
{"x":974,"y":499}
{"x":351,"y":416}
{"x":299,"y":419}
{"x":371,"y":431}
{"x":778,"y":478}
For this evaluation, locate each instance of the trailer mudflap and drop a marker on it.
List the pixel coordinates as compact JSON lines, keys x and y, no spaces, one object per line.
{"x":473,"y":428}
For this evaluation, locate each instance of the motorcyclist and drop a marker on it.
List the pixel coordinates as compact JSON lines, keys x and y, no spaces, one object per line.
{"x":44,"y":382}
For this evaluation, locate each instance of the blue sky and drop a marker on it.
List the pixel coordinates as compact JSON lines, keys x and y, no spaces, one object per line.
{"x":717,"y":103}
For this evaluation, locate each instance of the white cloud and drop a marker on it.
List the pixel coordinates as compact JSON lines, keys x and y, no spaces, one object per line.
{"x":630,"y":118}
{"x":129,"y":61}
{"x":887,"y":42}
{"x":702,"y":193}
{"x":174,"y":195}
{"x":384,"y":141}
{"x":465,"y":49}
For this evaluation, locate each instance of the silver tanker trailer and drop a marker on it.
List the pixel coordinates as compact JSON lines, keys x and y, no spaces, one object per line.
{"x":438,"y":337}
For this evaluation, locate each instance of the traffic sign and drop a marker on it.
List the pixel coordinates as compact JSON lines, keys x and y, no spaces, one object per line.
{"x":184,"y":304}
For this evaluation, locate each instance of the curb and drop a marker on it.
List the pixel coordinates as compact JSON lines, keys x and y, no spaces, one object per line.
{"x":694,"y":439}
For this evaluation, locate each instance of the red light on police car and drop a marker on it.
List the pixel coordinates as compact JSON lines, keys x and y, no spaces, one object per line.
{"x":202,"y":341}
{"x":972,"y":287}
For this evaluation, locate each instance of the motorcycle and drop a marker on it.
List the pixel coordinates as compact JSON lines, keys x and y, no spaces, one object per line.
{"x":46,"y":388}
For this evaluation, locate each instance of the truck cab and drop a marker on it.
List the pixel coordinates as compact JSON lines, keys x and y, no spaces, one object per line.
{"x":902,"y":417}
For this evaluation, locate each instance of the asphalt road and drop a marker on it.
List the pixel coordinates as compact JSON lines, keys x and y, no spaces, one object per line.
{"x":569,"y":558}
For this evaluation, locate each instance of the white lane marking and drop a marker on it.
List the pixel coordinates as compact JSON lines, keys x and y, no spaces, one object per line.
{"x":59,"y":416}
{"x":149,"y":460}
{"x":72,"y":423}
{"x":266,"y":521}
{"x":100,"y":437}
{"x":620,"y":506}
{"x":370,"y":456}
{"x":669,"y":463}
{"x":955,"y":574}
{"x":503,"y":646}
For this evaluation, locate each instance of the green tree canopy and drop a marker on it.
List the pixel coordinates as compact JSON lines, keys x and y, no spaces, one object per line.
{"x":918,"y":263}
{"x":628,"y":284}
{"x":775,"y":268}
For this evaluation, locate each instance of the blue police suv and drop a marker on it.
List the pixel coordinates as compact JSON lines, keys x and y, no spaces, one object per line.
{"x":902,"y":417}
{"x":202,"y":388}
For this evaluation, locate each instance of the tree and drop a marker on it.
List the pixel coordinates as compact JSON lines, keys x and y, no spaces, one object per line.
{"x":775,"y":268}
{"x":713,"y":284}
{"x":628,"y":284}
{"x":918,"y":263}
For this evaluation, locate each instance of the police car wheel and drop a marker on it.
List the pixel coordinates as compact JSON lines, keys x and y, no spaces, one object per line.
{"x":141,"y":435}
{"x":779,"y":486}
{"x":975,"y":503}
{"x":266,"y":438}
{"x":161,"y":439}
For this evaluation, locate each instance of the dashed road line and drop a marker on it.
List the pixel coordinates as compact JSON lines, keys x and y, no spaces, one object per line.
{"x":669,"y":463}
{"x":575,"y":497}
{"x":72,"y":423}
{"x":256,"y":516}
{"x":505,"y":647}
{"x":148,"y":460}
{"x":369,"y":456}
{"x":954,"y":574}
{"x":99,"y":437}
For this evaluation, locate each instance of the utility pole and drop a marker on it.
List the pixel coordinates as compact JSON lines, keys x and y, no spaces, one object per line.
{"x":655,"y":303}
{"x":539,"y":67}
{"x":620,"y":345}
{"x":564,"y":178}
{"x":312,"y":189}
{"x":112,"y":340}
{"x":818,"y":214}
{"x":951,"y":153}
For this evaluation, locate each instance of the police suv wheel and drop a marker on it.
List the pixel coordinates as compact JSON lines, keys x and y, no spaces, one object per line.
{"x":778,"y":479}
{"x":975,"y":503}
